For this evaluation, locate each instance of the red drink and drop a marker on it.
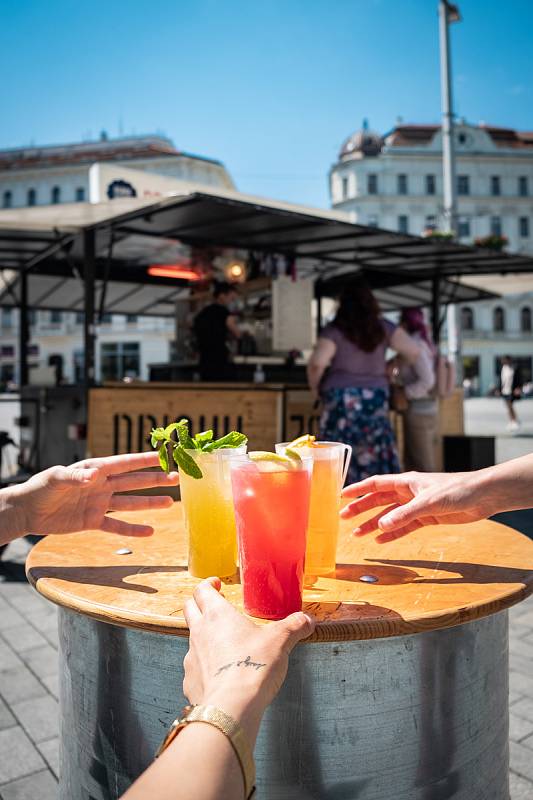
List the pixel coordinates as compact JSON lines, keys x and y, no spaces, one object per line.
{"x":271,"y":511}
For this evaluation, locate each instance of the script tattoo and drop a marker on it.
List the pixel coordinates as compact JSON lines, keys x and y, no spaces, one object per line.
{"x":246,"y":662}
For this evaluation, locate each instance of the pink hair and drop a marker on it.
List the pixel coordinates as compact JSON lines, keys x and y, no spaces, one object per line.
{"x":414,"y":322}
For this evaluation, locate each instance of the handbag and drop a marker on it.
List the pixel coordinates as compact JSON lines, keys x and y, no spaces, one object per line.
{"x":398,"y":399}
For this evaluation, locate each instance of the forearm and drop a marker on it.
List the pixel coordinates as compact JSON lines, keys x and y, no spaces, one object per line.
{"x":314,"y":376}
{"x":200,"y":762}
{"x":12,"y":524}
{"x":507,"y":486}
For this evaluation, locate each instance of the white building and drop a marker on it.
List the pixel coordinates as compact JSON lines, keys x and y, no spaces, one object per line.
{"x":395,"y":181}
{"x":62,"y":174}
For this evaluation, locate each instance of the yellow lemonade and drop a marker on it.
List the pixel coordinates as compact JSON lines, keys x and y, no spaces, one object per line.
{"x":209,"y":515}
{"x":329,"y":460}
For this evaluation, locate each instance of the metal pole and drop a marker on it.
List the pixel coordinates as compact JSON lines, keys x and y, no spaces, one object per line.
{"x":24,"y":334}
{"x":88,"y":328}
{"x":435,"y":309}
{"x":448,"y":155}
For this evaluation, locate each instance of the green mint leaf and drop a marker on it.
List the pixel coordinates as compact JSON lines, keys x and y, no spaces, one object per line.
{"x":169,"y":430}
{"x":158,"y":435}
{"x":203,"y":438}
{"x":163,"y":458}
{"x":232,"y":439}
{"x":186,"y":463}
{"x":185,"y":440}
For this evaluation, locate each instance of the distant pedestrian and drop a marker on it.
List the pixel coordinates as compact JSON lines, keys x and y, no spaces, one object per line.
{"x":510,"y":389}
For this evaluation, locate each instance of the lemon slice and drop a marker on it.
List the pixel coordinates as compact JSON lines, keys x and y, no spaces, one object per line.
{"x":294,"y":456}
{"x":303,"y":441}
{"x":270,"y":462}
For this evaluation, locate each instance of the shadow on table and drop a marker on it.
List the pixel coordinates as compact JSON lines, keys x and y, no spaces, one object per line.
{"x":386,"y":575}
{"x":469,"y":573}
{"x":103,"y":576}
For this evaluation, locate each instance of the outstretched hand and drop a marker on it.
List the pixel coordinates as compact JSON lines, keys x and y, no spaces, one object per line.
{"x":232,"y":659}
{"x":78,"y":497}
{"x":413,"y":500}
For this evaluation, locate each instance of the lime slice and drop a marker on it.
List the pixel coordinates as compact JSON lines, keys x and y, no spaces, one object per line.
{"x":270,"y":462}
{"x":303,"y":441}
{"x":294,"y":456}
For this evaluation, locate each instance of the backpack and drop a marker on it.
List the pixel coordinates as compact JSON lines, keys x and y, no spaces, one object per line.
{"x":445,"y":376}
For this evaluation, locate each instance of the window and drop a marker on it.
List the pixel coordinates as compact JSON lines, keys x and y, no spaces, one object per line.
{"x":131,"y":319}
{"x":105,"y":319}
{"x":120,"y":360}
{"x":32,"y":316}
{"x":373,"y":221}
{"x":431,"y":222}
{"x":7,"y":351}
{"x":402,"y":184}
{"x":80,"y":194}
{"x":463,"y":184}
{"x":525,"y":319}
{"x":7,"y":199}
{"x":431,"y":184}
{"x":495,"y":188}
{"x":56,"y":317}
{"x":498,"y":317}
{"x":403,"y":223}
{"x":79,"y":364}
{"x":372,"y":183}
{"x":467,"y":319}
{"x":523,"y":226}
{"x":344,"y":188}
{"x":461,"y":138}
{"x":7,"y":318}
{"x":32,"y":197}
{"x":496,"y":226}
{"x":33,"y":349}
{"x":523,"y":190}
{"x":463,"y":227}
{"x":55,"y":196}
{"x":80,"y":317}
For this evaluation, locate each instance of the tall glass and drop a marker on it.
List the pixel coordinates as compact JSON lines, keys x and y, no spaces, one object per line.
{"x":209,"y":514}
{"x":271,"y":511}
{"x":330,"y":465}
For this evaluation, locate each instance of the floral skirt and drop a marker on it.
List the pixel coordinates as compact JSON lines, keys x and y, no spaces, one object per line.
{"x":360,"y":417}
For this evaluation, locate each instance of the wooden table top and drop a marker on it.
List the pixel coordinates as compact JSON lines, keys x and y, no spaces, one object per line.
{"x":434,"y":578}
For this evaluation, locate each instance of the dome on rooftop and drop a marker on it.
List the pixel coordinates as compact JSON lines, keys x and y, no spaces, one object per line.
{"x":363,"y":141}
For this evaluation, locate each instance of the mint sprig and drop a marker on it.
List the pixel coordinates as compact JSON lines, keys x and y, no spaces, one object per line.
{"x":163,"y":440}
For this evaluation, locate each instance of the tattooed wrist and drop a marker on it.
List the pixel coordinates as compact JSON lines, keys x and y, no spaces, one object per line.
{"x":245,"y":662}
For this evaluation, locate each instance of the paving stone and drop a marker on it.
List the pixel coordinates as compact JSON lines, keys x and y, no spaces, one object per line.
{"x":8,"y":657}
{"x":528,"y":741}
{"x":520,"y":664}
{"x":514,"y":697}
{"x":50,"y":752}
{"x":524,"y":619}
{"x":519,"y":727}
{"x":521,"y":647}
{"x":19,"y":756}
{"x":7,"y":720}
{"x":23,"y":637}
{"x":43,"y":661}
{"x":52,"y":636}
{"x":52,"y":684}
{"x":521,"y":789}
{"x":524,"y":708}
{"x":521,"y":683}
{"x":45,"y":620}
{"x":521,"y":760}
{"x":38,"y":717}
{"x":9,"y":617}
{"x":30,"y":604}
{"x":18,"y":683}
{"x":39,"y":786}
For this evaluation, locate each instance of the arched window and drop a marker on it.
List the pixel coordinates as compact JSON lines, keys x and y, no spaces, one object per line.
{"x":56,"y":195}
{"x":32,"y":197}
{"x":498,"y":316}
{"x":525,"y":319}
{"x":467,"y":318}
{"x":80,"y":194}
{"x":7,"y":200}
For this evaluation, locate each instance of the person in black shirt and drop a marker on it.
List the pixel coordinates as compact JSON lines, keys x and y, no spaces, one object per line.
{"x":212,"y":327}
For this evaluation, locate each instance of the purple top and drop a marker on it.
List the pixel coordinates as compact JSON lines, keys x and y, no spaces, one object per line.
{"x":351,"y":367}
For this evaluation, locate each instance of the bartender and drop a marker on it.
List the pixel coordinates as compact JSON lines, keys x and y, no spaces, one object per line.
{"x":213,"y":326}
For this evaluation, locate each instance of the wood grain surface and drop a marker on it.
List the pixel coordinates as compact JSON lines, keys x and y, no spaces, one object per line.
{"x":436,"y":577}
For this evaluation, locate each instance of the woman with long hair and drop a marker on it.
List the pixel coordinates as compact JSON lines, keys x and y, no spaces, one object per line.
{"x":348,"y":371}
{"x":418,"y":381}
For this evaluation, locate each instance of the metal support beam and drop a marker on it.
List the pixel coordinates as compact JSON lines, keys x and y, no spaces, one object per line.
{"x":24,"y":329}
{"x":89,"y":327}
{"x":435,"y":309}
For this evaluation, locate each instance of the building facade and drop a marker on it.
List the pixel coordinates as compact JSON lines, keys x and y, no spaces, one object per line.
{"x":394,"y":181}
{"x":60,"y":174}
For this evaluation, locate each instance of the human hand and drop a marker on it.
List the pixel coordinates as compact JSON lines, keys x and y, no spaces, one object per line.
{"x":413,"y":500}
{"x":78,"y":497}
{"x":232,"y":662}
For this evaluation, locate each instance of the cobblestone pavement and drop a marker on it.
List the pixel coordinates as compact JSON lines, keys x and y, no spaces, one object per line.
{"x":28,"y":693}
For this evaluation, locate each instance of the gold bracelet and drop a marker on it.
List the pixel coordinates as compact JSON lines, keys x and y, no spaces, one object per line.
{"x":212,"y":715}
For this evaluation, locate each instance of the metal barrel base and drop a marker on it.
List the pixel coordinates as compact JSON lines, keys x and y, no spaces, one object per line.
{"x":422,"y":717}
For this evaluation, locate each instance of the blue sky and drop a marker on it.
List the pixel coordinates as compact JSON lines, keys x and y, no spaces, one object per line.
{"x":270,"y":87}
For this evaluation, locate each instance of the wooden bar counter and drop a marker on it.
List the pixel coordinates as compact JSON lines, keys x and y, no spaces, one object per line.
{"x":402,"y":692}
